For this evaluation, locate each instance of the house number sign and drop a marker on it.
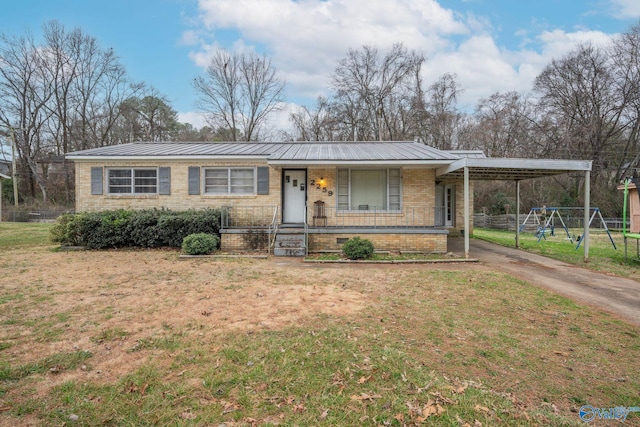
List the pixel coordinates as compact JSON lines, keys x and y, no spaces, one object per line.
{"x":313,"y":183}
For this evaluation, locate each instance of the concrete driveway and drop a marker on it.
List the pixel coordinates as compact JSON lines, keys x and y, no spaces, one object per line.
{"x":613,"y":294}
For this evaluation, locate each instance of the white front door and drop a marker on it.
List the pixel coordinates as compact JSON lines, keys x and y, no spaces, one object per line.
{"x":295,"y":196}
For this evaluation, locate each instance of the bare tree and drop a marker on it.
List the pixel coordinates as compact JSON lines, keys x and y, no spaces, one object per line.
{"x":443,"y":119}
{"x":61,"y":95}
{"x":238,"y":92}
{"x":25,"y":91}
{"x":580,"y":113}
{"x":374,"y":91}
{"x":501,"y":126}
{"x":320,"y":124}
{"x":626,"y":66}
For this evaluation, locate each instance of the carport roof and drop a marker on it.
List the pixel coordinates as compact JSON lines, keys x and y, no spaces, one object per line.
{"x":494,"y":169}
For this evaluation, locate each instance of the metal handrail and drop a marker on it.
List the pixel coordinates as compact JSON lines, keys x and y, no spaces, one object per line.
{"x":306,"y":232}
{"x":273,"y":229}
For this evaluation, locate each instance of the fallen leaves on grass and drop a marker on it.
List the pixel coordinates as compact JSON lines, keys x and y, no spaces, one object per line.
{"x":133,"y":388}
{"x":365,"y":396}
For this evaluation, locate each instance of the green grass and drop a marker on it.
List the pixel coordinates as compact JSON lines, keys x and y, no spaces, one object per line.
{"x":602,"y":255}
{"x":55,"y":363}
{"x":19,"y":234}
{"x":378,"y":257}
{"x":430,"y":347}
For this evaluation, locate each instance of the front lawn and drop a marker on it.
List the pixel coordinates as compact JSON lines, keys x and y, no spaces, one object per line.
{"x":145,"y":337}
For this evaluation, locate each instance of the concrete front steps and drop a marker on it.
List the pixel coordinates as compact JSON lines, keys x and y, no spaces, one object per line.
{"x":290,"y":242}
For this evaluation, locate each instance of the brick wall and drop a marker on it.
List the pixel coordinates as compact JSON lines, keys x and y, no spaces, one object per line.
{"x":418,"y":195}
{"x":427,"y":243}
{"x":179,"y":199}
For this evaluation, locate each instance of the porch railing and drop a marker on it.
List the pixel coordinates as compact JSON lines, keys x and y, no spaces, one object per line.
{"x":248,"y":216}
{"x":408,"y":217}
{"x":267,"y":218}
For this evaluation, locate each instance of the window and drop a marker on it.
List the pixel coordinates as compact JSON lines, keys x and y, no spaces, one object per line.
{"x":229,"y":181}
{"x":368,"y":189}
{"x":133,"y":181}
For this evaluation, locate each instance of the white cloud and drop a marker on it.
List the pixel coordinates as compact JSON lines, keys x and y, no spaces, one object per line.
{"x":197,"y":120}
{"x":557,"y":43}
{"x":190,"y":38}
{"x":306,"y":38}
{"x":626,"y":9}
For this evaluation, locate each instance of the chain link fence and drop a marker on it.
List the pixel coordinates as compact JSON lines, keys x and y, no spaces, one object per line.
{"x":508,"y":222}
{"x":13,"y":214}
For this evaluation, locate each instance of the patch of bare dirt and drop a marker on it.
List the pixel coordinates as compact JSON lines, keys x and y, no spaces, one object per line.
{"x":80,"y":300}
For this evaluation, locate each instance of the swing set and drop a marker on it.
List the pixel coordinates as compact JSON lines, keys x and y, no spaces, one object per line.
{"x":548,"y":223}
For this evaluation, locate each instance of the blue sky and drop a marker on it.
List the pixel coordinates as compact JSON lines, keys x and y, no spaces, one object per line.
{"x":491,"y":45}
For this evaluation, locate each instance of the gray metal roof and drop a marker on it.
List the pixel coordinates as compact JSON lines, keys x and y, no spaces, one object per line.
{"x":478,"y":154}
{"x":450,"y":164}
{"x":275,"y":153}
{"x":492,"y":169}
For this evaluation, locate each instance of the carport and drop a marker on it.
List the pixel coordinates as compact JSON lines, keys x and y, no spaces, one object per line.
{"x":474,"y":168}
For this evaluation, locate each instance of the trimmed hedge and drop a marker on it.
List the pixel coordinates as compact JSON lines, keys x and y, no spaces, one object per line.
{"x":144,"y":228}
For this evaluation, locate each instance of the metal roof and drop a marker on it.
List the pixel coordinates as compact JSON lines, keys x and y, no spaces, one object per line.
{"x":478,"y":154}
{"x":493,"y":169}
{"x":450,"y":164}
{"x":275,"y":153}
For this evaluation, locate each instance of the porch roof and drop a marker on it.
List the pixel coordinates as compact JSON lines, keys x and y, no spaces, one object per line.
{"x":283,"y":153}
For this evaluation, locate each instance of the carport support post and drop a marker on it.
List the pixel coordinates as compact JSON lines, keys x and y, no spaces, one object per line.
{"x":466,"y":212}
{"x":518,"y":214}
{"x":587,"y":211}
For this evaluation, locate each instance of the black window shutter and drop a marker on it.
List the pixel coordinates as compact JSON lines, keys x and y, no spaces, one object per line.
{"x":263,"y":180}
{"x":194,"y":180}
{"x":164,"y":180}
{"x":96,"y":180}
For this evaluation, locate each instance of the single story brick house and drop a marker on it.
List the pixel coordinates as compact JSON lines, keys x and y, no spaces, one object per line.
{"x":299,"y":196}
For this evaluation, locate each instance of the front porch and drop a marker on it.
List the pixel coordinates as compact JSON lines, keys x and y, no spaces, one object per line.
{"x":417,"y":229}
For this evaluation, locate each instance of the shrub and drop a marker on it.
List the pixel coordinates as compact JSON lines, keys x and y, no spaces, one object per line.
{"x":60,"y":232}
{"x":357,"y":248}
{"x":150,"y":228}
{"x":200,"y":244}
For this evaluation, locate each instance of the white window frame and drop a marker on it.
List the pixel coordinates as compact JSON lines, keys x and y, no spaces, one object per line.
{"x":229,"y":170}
{"x":350,"y":191}
{"x":132,"y":182}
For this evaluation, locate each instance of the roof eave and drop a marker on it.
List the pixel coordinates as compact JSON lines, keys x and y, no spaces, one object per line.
{"x":90,"y":158}
{"x":395,"y":162}
{"x":528,"y":168}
